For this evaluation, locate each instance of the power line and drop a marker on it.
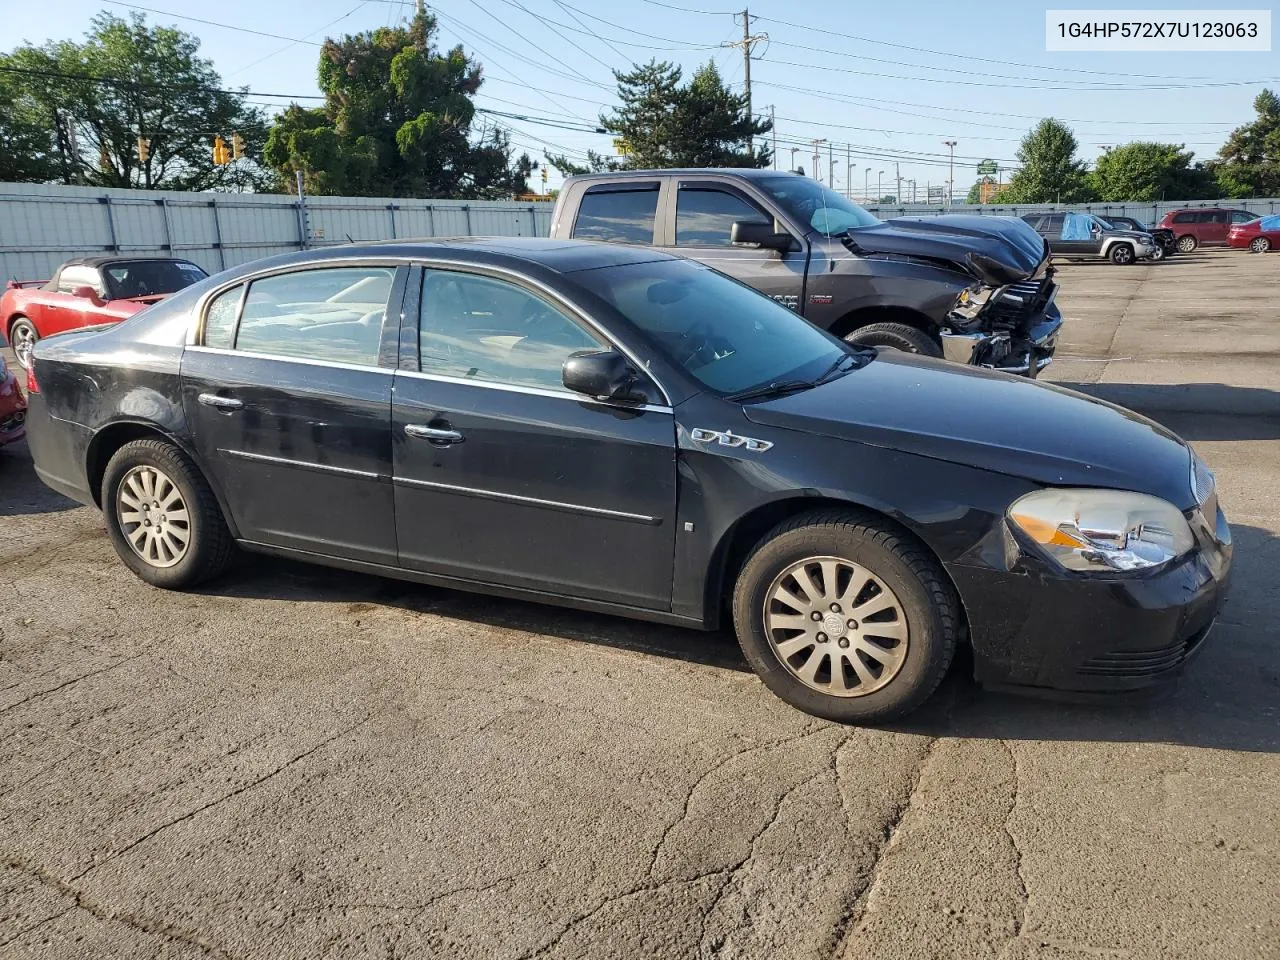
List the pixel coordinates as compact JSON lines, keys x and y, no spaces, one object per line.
{"x":211,"y":23}
{"x":510,"y":29}
{"x":293,"y":43}
{"x":551,"y":26}
{"x":579,"y":22}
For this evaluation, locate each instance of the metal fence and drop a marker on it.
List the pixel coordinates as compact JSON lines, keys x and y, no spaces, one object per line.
{"x":43,"y":225}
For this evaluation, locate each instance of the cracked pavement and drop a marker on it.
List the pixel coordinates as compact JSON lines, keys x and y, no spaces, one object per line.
{"x":298,"y":762}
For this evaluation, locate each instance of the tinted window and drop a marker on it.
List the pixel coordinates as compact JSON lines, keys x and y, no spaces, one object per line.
{"x":334,"y":314}
{"x":725,"y":334}
{"x":72,"y":277}
{"x":1243,"y":216}
{"x":145,"y":278}
{"x":1052,"y":224}
{"x":704,"y":218}
{"x":1032,"y":220}
{"x":220,"y":318}
{"x":625,"y":216}
{"x":478,"y":328}
{"x":1221,"y":216}
{"x":1204,"y":216}
{"x":1187,"y":216}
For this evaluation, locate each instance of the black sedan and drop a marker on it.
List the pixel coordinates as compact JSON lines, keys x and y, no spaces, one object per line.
{"x":619,"y":430}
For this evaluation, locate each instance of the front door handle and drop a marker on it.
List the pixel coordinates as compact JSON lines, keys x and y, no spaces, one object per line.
{"x":443,"y":437}
{"x":220,"y":403}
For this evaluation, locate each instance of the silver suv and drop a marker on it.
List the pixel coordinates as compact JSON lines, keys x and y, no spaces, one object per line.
{"x":1086,"y":235}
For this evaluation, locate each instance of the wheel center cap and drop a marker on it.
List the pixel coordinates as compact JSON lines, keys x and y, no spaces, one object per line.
{"x":833,"y":624}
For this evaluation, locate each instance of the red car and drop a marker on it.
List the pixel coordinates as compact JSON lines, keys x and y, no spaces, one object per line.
{"x":13,"y":407}
{"x":88,"y":291}
{"x":1258,"y":235}
{"x":1207,"y":226}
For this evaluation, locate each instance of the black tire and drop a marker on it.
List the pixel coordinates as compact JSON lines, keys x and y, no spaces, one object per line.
{"x":209,"y":548}
{"x":1187,"y":243}
{"x":895,"y":336}
{"x":19,"y":330}
{"x":1157,"y":255}
{"x":1259,"y":245}
{"x":926,"y":598}
{"x":1121,"y":254}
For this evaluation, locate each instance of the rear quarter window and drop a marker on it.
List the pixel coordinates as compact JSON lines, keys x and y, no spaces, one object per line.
{"x":619,"y":215}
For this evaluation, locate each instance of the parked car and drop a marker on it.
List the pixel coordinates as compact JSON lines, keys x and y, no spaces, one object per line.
{"x":87,"y":291}
{"x":13,"y":406}
{"x":1166,"y":245}
{"x":976,"y":290}
{"x":616,"y":429}
{"x":1258,"y":235}
{"x":1207,"y":227}
{"x":1084,"y":235}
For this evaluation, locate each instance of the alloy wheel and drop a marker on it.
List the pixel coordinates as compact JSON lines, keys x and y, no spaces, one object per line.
{"x":153,"y":516}
{"x":836,"y":626}
{"x":1186,"y":244}
{"x":1260,"y":245}
{"x":23,"y":337}
{"x":1121,"y":255}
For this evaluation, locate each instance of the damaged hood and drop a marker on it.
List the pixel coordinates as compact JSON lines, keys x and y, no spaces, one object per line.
{"x":995,"y":250}
{"x":991,"y":421}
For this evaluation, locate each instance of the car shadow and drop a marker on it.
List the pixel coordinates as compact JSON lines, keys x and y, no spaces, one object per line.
{"x":1196,"y":411}
{"x":1229,"y":698}
{"x":23,"y":492}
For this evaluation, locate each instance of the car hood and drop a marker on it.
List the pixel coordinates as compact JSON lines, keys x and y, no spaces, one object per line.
{"x":1129,"y":234}
{"x":991,"y":421}
{"x":996,"y":250}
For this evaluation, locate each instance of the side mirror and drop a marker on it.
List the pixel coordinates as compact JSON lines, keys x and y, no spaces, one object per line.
{"x":604,"y":375}
{"x":757,"y":233}
{"x":88,"y":293}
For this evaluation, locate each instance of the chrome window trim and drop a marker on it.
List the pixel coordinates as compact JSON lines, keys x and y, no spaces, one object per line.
{"x":281,"y":358}
{"x":577,"y":312}
{"x":530,"y":501}
{"x":534,"y":391}
{"x":303,"y":464}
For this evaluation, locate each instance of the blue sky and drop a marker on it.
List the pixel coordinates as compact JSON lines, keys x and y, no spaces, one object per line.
{"x":882,"y":82}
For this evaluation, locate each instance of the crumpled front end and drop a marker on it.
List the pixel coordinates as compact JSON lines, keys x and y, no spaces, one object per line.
{"x":13,"y":407}
{"x":1012,"y":327}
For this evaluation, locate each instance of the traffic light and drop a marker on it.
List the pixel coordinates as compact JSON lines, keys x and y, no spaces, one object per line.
{"x":221,"y":155}
{"x":237,"y":146}
{"x":144,"y":149}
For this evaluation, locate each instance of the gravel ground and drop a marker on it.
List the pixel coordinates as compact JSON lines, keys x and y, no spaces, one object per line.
{"x":298,"y":762}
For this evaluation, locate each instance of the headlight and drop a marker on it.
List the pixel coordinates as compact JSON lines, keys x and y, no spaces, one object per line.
{"x":1103,"y":531}
{"x":971,"y":301}
{"x":1203,"y":483}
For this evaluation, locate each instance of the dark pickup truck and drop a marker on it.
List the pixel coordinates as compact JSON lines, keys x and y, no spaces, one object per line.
{"x":976,"y":290}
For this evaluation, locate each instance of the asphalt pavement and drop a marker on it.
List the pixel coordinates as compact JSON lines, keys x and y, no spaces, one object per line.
{"x":297,"y":762}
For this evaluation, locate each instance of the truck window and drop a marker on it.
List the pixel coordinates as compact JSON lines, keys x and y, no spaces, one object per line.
{"x":704,"y":217}
{"x":622,"y":215}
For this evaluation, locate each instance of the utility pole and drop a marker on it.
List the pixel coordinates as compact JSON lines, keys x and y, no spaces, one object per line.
{"x":951,"y":177}
{"x":747,"y":43}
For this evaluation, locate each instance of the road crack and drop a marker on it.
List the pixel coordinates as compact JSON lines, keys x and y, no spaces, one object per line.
{"x":1023,"y":898}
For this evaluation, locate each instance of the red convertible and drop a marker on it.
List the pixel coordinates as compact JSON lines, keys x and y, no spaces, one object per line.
{"x":87,"y":291}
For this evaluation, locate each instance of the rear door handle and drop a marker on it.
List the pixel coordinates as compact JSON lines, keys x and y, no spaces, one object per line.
{"x":220,"y":403}
{"x":444,"y":437}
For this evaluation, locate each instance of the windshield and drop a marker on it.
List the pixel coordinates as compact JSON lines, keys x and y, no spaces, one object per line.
{"x":146,"y":278}
{"x":810,"y":202}
{"x":1104,"y":224}
{"x":728,"y":336}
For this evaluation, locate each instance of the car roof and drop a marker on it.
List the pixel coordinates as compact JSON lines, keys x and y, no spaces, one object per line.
{"x":100,"y":260}
{"x":745,"y":173}
{"x":561,"y":256}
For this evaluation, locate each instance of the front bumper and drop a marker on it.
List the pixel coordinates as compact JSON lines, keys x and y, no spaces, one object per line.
{"x":1024,"y":352}
{"x":1038,"y":629}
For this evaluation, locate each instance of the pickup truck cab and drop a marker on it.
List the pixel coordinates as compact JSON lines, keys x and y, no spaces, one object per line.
{"x":1084,"y":235}
{"x":975,"y":290}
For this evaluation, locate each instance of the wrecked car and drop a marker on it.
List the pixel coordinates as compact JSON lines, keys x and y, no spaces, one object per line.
{"x":975,"y":290}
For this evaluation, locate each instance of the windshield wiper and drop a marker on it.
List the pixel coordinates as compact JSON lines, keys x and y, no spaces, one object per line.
{"x":836,"y":364}
{"x":775,"y":389}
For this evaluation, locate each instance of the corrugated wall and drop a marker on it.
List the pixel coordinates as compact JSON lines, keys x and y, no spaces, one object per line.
{"x":42,"y":225}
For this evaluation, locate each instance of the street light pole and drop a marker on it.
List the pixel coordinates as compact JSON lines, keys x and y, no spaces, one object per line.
{"x":794,"y":150}
{"x":879,"y":189}
{"x":817,"y":156}
{"x":951,"y":178}
{"x":866,"y":184}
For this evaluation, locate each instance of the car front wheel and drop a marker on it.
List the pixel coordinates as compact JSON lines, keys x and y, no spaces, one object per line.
{"x":895,"y":336}
{"x":1156,"y":255}
{"x":846,"y":618}
{"x":22,"y":338}
{"x":162,"y":517}
{"x":1260,"y":245}
{"x":1187,"y":244}
{"x":1121,"y":254}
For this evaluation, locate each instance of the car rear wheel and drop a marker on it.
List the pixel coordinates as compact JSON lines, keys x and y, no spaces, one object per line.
{"x":162,"y":517}
{"x":1121,"y":254}
{"x":1260,"y":245}
{"x":895,"y":336}
{"x":22,"y":338}
{"x":1187,"y":244}
{"x":845,"y":618}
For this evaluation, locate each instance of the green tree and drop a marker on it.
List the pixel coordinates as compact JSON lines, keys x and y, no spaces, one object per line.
{"x":1050,"y":171}
{"x":1249,"y":162}
{"x":1149,"y":171}
{"x":26,"y":140}
{"x":398,"y":121}
{"x":128,"y":80}
{"x":666,"y":124}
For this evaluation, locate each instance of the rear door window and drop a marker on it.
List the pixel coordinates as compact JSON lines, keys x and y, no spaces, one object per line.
{"x":1188,"y":216}
{"x":1221,"y":216}
{"x":705,"y":216}
{"x":1051,"y":226}
{"x":623,"y":214}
